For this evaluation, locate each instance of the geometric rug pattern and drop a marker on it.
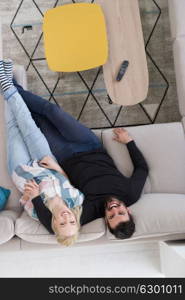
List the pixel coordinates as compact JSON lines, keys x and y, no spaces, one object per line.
{"x":83,"y":94}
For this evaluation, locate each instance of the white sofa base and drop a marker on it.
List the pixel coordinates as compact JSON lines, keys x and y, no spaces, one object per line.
{"x":99,"y":258}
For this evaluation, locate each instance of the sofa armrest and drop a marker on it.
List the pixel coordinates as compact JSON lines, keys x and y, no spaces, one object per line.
{"x":11,"y":214}
{"x":7,"y":225}
{"x":179,"y":61}
{"x":176,"y":15}
{"x":1,"y":50}
{"x":183,"y":123}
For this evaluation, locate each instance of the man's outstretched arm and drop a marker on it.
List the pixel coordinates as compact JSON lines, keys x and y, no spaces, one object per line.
{"x":140,"y":173}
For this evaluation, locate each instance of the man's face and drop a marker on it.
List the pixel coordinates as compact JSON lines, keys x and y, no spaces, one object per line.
{"x":116,"y":212}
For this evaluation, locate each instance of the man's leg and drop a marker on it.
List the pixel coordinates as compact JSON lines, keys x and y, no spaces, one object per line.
{"x":57,"y":143}
{"x":72,"y":130}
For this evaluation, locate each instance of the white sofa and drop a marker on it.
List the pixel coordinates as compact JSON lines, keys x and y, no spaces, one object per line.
{"x":159,"y":213}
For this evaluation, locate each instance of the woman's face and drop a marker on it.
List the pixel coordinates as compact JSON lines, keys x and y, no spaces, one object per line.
{"x":65,"y":222}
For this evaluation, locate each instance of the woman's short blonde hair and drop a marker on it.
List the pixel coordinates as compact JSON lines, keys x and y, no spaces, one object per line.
{"x":68,"y":240}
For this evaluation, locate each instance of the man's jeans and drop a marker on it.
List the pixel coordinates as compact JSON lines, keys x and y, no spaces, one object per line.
{"x":25,"y":141}
{"x":65,"y":135}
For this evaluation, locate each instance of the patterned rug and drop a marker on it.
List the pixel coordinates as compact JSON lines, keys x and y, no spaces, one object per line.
{"x":23,"y":42}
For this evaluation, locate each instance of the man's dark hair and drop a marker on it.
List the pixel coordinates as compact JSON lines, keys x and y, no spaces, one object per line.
{"x":123,"y":230}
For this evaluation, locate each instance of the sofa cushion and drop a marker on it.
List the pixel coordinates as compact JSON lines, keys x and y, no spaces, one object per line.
{"x":158,"y":215}
{"x":6,"y":229}
{"x":33,"y":231}
{"x":163,"y":146}
{"x":177,"y":20}
{"x":179,"y":61}
{"x":11,"y":214}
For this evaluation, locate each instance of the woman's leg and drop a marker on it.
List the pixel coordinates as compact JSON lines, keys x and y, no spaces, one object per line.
{"x":33,"y":138}
{"x":35,"y":141}
{"x":72,"y":130}
{"x":17,"y":151}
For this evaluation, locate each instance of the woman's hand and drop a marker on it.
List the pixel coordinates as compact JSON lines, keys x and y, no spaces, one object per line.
{"x":122,"y":136}
{"x":31,"y":190}
{"x":49,"y":163}
{"x":26,"y":196}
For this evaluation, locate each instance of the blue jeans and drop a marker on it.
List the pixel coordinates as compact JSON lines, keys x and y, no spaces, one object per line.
{"x":65,"y":135}
{"x":25,"y":141}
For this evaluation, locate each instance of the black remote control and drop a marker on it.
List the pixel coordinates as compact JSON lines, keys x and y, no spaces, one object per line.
{"x":122,"y":70}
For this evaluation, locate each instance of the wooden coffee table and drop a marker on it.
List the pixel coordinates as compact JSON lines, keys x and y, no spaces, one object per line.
{"x":126,"y":42}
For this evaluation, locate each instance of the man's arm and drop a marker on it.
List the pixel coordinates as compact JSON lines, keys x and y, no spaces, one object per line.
{"x":43,"y":213}
{"x":136,"y":156}
{"x":122,"y":136}
{"x":92,"y":210}
{"x":140,"y":173}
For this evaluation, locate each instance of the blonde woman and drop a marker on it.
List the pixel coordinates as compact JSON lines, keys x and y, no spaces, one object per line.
{"x":33,"y":168}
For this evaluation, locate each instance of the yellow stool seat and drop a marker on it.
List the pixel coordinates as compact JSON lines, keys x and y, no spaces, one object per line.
{"x":75,"y":37}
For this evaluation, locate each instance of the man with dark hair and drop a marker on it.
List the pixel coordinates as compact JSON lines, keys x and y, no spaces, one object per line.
{"x":108,"y":193}
{"x":118,"y":218}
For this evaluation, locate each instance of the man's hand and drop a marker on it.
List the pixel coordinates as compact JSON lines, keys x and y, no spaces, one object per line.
{"x":31,"y":190}
{"x":122,"y":135}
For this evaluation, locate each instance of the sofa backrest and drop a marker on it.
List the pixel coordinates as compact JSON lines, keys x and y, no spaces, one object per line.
{"x":163,"y":146}
{"x":179,"y":61}
{"x":176,"y":15}
{"x":177,"y":23}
